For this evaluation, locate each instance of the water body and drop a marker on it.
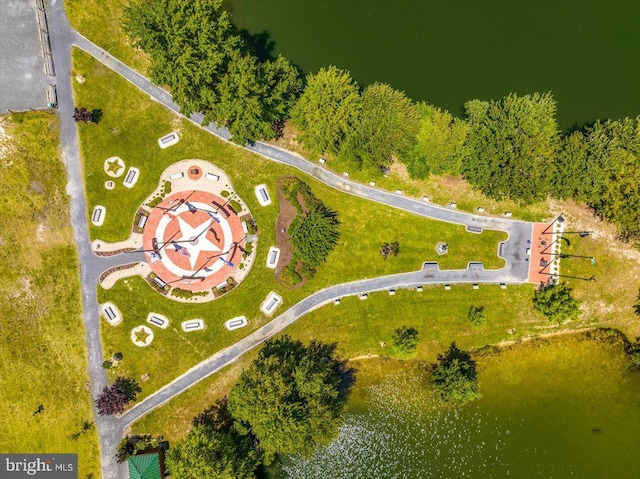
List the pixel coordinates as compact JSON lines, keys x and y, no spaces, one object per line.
{"x":449,"y":51}
{"x":567,"y":409}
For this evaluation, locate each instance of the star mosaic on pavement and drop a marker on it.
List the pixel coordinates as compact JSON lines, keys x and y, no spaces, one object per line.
{"x":114,"y":166}
{"x":201,"y":245}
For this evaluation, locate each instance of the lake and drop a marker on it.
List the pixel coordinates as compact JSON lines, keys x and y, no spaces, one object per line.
{"x":563,"y":408}
{"x":449,"y":51}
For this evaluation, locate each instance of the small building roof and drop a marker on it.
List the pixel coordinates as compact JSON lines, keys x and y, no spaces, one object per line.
{"x":145,"y":466}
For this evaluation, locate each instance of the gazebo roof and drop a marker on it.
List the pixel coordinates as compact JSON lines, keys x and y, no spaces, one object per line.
{"x":145,"y":466}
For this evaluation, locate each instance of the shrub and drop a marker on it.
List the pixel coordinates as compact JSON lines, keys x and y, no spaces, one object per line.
{"x":454,"y":376}
{"x":107,"y":363}
{"x":405,"y":340}
{"x":117,"y":357}
{"x":476,"y":316}
{"x":289,"y":276}
{"x":555,"y":302}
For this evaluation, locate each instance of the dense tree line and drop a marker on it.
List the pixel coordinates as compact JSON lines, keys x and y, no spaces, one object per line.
{"x":210,"y":68}
{"x":508,"y":148}
{"x":289,"y":401}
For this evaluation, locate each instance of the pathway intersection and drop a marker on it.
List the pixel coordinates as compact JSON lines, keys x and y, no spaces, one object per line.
{"x":111,"y":429}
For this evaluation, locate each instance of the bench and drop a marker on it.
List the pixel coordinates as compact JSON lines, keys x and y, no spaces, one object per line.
{"x":159,"y":282}
{"x":271,"y":303}
{"x":176,"y":176}
{"x":236,"y":323}
{"x":263,"y":195}
{"x":98,"y":214}
{"x":111,"y":314}
{"x":142,"y":221}
{"x":192,"y":325}
{"x":272,"y":257}
{"x":245,"y":230}
{"x":131,"y":178}
{"x":211,"y":176}
{"x":168,"y":140}
{"x":158,"y":320}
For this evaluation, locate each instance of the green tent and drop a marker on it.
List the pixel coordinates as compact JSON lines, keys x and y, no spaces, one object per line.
{"x":145,"y":466}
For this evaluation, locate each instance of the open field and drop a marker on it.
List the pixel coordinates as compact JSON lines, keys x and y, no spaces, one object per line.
{"x":43,"y":355}
{"x":365,"y":226}
{"x":610,"y":298}
{"x":360,"y":326}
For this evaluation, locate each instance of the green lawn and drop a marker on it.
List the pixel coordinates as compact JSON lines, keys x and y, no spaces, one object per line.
{"x":42,"y":341}
{"x":360,"y":326}
{"x":101,"y":22}
{"x":365,"y":226}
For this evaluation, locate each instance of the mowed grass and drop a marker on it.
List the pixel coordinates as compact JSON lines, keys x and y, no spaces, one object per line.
{"x":101,"y":22}
{"x":609,"y":300}
{"x":42,"y":341}
{"x":365,"y":226}
{"x":359,"y":327}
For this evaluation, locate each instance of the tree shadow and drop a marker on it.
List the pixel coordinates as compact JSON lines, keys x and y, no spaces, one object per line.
{"x":260,"y":44}
{"x":96,"y":115}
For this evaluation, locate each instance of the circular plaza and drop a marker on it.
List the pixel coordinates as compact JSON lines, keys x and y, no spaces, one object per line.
{"x":193,"y":240}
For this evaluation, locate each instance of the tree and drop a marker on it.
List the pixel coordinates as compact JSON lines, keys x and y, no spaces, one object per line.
{"x":315,"y":234}
{"x":512,"y":144}
{"x":82,"y":114}
{"x":390,"y":249}
{"x":405,"y":340}
{"x":454,"y":376}
{"x":556,"y":302}
{"x":292,"y":396}
{"x":114,"y":399}
{"x":327,"y":110}
{"x":190,"y":44}
{"x":125,"y":449}
{"x":387,"y":127}
{"x":476,"y":316}
{"x":440,"y":144}
{"x":207,"y":454}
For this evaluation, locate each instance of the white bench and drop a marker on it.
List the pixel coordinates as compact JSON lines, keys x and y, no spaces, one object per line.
{"x":245,"y":230}
{"x":176,"y":176}
{"x":236,"y":323}
{"x":363,"y":296}
{"x":272,"y":257}
{"x":263,"y":195}
{"x":271,"y":303}
{"x":97,"y":217}
{"x":111,"y":313}
{"x":131,"y":177}
{"x":211,"y":176}
{"x":168,"y":140}
{"x":158,"y":320}
{"x":142,"y":221}
{"x":192,"y":325}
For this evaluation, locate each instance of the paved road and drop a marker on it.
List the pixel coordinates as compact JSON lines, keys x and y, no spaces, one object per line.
{"x":111,"y":429}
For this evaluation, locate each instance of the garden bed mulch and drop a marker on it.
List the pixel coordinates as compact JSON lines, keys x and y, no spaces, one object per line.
{"x":287,"y":213}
